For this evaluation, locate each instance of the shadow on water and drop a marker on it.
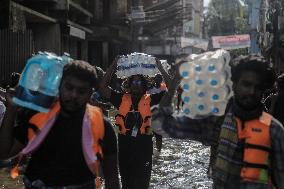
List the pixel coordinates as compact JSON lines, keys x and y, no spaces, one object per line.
{"x":182,"y":164}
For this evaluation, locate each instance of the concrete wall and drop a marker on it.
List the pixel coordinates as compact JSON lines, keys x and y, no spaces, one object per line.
{"x":47,"y":37}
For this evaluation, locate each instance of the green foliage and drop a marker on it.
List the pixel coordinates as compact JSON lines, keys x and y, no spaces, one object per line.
{"x":226,"y":17}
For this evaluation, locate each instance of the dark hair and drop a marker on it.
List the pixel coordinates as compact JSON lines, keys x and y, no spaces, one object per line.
{"x":81,"y":70}
{"x":146,"y":83}
{"x":100,"y":72}
{"x":14,"y":79}
{"x":254,"y":63}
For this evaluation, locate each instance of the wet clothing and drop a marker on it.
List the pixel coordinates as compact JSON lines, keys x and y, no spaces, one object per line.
{"x":135,"y":152}
{"x":208,"y":130}
{"x":59,"y":161}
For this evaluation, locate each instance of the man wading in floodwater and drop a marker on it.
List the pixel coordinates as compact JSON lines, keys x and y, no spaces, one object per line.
{"x":133,"y":123}
{"x":68,"y":145}
{"x":247,"y":144}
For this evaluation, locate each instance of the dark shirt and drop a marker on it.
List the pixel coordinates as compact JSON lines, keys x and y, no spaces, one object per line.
{"x":278,"y":111}
{"x":59,"y":161}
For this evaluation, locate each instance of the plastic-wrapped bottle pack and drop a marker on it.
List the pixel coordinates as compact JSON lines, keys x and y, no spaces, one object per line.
{"x":136,"y":64}
{"x":206,"y":84}
{"x":39,"y":82}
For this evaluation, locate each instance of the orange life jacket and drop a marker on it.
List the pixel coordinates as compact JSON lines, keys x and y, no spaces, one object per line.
{"x":144,"y":109}
{"x":92,"y":134}
{"x":256,"y":134}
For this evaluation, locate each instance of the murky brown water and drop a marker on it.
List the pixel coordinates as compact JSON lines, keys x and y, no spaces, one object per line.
{"x":7,"y":183}
{"x":181,"y":165}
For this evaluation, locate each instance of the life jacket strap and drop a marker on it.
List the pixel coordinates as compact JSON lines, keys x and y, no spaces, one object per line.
{"x":14,"y":173}
{"x":258,"y":147}
{"x":255,"y":165}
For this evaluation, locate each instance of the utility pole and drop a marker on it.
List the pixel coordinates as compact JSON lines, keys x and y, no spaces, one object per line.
{"x":137,"y":16}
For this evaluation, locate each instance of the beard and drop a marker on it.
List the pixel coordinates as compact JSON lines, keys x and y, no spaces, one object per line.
{"x":71,"y":107}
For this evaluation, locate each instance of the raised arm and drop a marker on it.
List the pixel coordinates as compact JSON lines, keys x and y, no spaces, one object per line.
{"x":9,"y":146}
{"x":104,"y":88}
{"x":165,"y":75}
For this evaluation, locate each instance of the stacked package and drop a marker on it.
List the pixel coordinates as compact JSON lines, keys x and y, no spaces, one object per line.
{"x":39,"y":83}
{"x":136,"y":64}
{"x":206,"y":84}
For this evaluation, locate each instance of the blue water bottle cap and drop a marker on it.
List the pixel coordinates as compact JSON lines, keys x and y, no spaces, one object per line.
{"x":215,"y":97}
{"x":184,"y":74}
{"x":213,"y":82}
{"x":201,"y":107}
{"x":211,"y":68}
{"x":186,"y":99}
{"x":215,"y":110}
{"x":186,"y":86}
{"x":186,"y":111}
{"x":199,"y":82}
{"x":201,"y":94}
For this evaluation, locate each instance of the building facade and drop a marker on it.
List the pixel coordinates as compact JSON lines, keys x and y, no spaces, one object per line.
{"x":91,"y":30}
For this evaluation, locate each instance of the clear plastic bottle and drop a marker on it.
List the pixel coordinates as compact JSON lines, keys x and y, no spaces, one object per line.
{"x":189,"y":111}
{"x":187,"y":85}
{"x":185,"y":70}
{"x":218,"y":108}
{"x":119,"y":67}
{"x":217,"y":80}
{"x":202,"y":108}
{"x":186,"y":97}
{"x":66,"y":58}
{"x":200,"y":81}
{"x":152,"y":67}
{"x":220,"y":94}
{"x":201,"y":94}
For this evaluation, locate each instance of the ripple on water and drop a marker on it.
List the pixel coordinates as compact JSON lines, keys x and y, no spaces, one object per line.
{"x":182,"y":164}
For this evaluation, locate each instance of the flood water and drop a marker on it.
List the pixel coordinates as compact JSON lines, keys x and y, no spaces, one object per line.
{"x":182,"y":164}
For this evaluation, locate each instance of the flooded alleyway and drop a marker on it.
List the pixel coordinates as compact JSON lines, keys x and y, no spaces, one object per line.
{"x":182,"y":164}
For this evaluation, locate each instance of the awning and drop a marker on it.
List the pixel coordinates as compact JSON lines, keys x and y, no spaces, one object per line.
{"x":31,"y":15}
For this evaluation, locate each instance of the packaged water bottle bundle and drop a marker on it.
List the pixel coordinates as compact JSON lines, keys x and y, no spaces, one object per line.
{"x":206,"y":84}
{"x":136,"y":64}
{"x":39,"y":82}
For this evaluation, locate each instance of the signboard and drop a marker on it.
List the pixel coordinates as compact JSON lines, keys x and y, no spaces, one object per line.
{"x":194,"y":42}
{"x":137,"y":13}
{"x":76,"y":32}
{"x":231,"y":41}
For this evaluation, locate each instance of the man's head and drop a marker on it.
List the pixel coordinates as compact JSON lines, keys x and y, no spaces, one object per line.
{"x":158,"y":79}
{"x":78,"y":80}
{"x":251,"y":76}
{"x":137,"y":85}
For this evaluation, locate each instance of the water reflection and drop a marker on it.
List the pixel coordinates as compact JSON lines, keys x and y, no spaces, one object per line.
{"x":182,"y":164}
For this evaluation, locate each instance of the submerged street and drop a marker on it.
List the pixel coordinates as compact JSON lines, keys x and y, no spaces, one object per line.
{"x":182,"y":164}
